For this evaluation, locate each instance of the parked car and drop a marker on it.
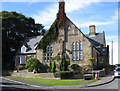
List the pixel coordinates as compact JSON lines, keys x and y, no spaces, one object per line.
{"x":88,"y":76}
{"x":117,"y":72}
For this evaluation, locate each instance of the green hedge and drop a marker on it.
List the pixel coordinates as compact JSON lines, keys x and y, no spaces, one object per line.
{"x":57,"y":74}
{"x":64,"y":74}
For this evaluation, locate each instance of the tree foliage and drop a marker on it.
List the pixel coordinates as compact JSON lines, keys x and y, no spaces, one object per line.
{"x":34,"y":64}
{"x":75,"y":67}
{"x":50,"y":36}
{"x":63,"y":65}
{"x":53,"y":67}
{"x":15,"y":27}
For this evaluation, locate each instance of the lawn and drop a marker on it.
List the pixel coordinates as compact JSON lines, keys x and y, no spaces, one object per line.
{"x":57,"y":81}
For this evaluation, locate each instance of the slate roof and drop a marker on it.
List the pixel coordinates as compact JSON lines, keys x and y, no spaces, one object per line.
{"x":30,"y":43}
{"x":98,"y":41}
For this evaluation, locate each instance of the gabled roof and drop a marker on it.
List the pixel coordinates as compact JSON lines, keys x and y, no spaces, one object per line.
{"x":30,"y":43}
{"x":97,"y":41}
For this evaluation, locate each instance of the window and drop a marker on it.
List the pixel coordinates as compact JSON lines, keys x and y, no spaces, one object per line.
{"x":80,"y":46}
{"x":77,"y":55}
{"x":73,"y":46}
{"x":77,"y":46}
{"x":80,"y":55}
{"x":48,"y":53}
{"x":51,"y":48}
{"x":22,"y":59}
{"x":69,"y":28}
{"x":47,"y":48}
{"x":73,"y":55}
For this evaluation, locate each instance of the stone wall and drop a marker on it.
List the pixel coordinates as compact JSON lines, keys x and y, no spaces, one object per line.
{"x":33,"y":75}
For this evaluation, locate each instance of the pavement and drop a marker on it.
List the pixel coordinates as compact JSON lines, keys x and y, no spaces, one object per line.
{"x":102,"y":81}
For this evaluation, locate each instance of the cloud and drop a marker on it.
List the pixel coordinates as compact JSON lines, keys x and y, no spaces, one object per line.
{"x":87,"y":24}
{"x":47,"y":16}
{"x":115,"y":17}
{"x":72,"y":5}
{"x":112,"y":38}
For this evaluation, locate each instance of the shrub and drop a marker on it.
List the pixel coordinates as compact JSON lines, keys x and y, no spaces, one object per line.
{"x":57,"y":74}
{"x":67,"y":74}
{"x":53,"y":67}
{"x":116,"y":65}
{"x":33,"y":64}
{"x":20,"y":67}
{"x":75,"y":67}
{"x":68,"y":61}
{"x":101,"y":64}
{"x":50,"y":66}
{"x":63,"y":65}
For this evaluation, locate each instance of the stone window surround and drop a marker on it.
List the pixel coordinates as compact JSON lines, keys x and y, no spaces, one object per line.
{"x":79,"y":49}
{"x":48,"y":53}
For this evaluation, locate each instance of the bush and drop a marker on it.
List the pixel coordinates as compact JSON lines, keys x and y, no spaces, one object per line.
{"x":68,"y":61}
{"x":34,"y":64}
{"x":57,"y":75}
{"x":101,"y":64}
{"x":53,"y":67}
{"x":67,"y":74}
{"x":116,"y":65}
{"x":75,"y":67}
{"x":50,"y":66}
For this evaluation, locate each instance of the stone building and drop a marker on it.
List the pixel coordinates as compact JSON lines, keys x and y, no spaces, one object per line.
{"x":72,"y":43}
{"x":27,"y":50}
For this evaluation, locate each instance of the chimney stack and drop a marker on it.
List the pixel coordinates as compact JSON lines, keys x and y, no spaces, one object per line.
{"x":61,"y":6}
{"x":61,"y":16}
{"x":92,"y":30}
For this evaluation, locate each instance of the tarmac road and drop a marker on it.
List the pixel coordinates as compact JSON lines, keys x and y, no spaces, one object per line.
{"x":11,"y":86}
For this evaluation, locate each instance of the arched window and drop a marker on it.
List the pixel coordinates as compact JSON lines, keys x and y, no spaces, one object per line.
{"x":80,"y":55}
{"x":77,"y":55}
{"x":80,"y":46}
{"x":47,"y":48}
{"x":51,"y":48}
{"x":77,"y":46}
{"x":73,"y":55}
{"x":77,"y":51}
{"x":73,"y":46}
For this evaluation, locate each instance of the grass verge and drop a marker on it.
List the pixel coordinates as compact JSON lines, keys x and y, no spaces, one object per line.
{"x":57,"y":81}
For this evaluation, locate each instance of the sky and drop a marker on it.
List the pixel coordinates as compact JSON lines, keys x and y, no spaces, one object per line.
{"x":104,"y":15}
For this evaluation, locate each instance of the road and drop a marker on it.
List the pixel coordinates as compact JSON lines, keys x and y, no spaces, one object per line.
{"x":11,"y":86}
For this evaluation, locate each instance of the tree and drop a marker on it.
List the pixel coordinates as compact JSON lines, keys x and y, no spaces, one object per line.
{"x":101,"y":64}
{"x":53,"y":67}
{"x":63,"y":65}
{"x":33,"y":64}
{"x":92,"y":61}
{"x":50,"y":65}
{"x":15,"y":27}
